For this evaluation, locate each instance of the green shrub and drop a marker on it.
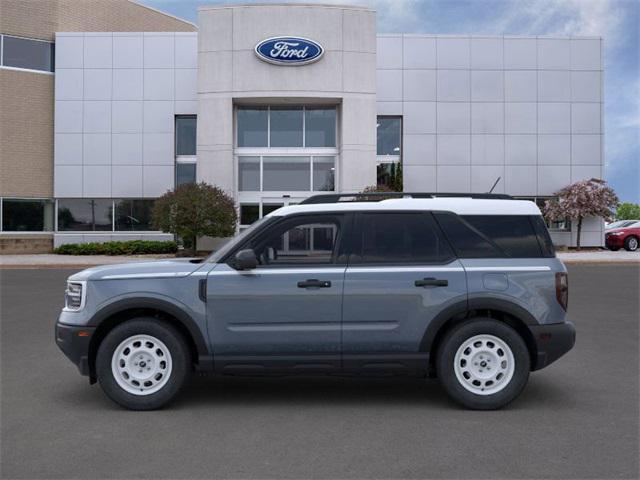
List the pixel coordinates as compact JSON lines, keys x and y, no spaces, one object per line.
{"x":132,"y":247}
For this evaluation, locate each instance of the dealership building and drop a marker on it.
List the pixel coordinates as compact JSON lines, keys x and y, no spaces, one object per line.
{"x":119,"y":103}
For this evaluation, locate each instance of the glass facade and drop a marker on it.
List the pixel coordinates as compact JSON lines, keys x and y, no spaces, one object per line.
{"x":85,"y":215}
{"x":133,"y":215}
{"x":27,"y":215}
{"x":282,"y":173}
{"x":186,"y":146}
{"x":18,"y":52}
{"x":286,"y":127}
{"x":253,"y":127}
{"x":389,"y":152}
{"x":186,"y":135}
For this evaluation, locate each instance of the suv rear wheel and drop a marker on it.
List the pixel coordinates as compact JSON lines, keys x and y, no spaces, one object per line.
{"x":483,"y":364}
{"x":142,"y":363}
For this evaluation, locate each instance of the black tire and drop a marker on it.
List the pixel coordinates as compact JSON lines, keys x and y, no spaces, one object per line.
{"x":631,"y":243}
{"x":452,"y":342}
{"x":180,"y":363}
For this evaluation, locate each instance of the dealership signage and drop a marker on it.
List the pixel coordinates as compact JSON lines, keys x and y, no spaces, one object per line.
{"x":289,"y":51}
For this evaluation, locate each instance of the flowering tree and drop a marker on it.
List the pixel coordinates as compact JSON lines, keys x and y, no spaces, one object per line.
{"x":586,"y":198}
{"x":195,"y":210}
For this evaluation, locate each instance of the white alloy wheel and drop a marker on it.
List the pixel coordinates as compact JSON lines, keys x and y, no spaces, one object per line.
{"x":141,"y":365}
{"x":633,"y":244}
{"x":484,"y":364}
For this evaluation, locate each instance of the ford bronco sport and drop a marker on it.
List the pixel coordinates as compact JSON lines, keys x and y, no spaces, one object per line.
{"x":465,"y":288}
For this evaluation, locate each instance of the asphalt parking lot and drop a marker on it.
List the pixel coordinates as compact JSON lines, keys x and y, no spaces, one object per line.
{"x":576,"y":419}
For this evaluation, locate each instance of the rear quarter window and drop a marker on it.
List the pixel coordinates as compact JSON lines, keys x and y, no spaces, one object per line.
{"x":493,"y":236}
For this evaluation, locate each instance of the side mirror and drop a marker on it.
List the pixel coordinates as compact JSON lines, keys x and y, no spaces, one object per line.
{"x":245,"y":260}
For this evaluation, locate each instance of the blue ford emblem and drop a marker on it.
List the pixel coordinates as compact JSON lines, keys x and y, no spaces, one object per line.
{"x":289,"y":50}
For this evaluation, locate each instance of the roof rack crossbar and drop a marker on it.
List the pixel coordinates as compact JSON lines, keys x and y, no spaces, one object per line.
{"x":379,"y":196}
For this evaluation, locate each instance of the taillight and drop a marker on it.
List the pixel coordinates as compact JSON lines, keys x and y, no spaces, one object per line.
{"x":562,"y":289}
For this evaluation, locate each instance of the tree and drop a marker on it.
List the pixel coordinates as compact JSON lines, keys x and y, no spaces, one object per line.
{"x":586,"y":198}
{"x":195,"y":210}
{"x":628,"y":211}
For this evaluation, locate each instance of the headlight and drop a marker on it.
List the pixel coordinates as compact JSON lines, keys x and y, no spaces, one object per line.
{"x":74,"y":296}
{"x":616,"y":233}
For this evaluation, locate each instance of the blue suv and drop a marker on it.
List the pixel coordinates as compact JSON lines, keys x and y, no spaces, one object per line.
{"x":467,"y":289}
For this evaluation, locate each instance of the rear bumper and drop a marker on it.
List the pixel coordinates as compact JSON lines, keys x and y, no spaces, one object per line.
{"x":552,"y":342}
{"x":74,"y":342}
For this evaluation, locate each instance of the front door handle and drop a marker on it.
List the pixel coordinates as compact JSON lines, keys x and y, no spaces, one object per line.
{"x":314,"y":283}
{"x":431,"y":282}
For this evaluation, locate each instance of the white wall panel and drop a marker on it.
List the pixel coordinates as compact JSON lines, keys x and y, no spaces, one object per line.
{"x":128,"y":84}
{"x":96,"y":116}
{"x":98,"y":51}
{"x":69,"y":50}
{"x":487,"y":85}
{"x":97,"y":84}
{"x":520,"y":53}
{"x":554,"y":118}
{"x":487,"y":117}
{"x":454,"y":117}
{"x":419,"y":178}
{"x":68,"y":83}
{"x":96,"y":149}
{"x":419,"y":52}
{"x":419,"y":85}
{"x":127,"y":51}
{"x":454,"y":86}
{"x":126,"y":149}
{"x":96,"y":181}
{"x":454,"y":149}
{"x":453,"y":52}
{"x":487,"y":149}
{"x":521,"y":85}
{"x":487,"y":53}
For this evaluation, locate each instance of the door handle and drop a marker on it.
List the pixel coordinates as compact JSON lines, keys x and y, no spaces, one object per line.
{"x":431,"y":282}
{"x":314,"y":283}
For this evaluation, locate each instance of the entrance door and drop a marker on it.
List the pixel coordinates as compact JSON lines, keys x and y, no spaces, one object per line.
{"x":286,"y":313}
{"x":401,"y":274}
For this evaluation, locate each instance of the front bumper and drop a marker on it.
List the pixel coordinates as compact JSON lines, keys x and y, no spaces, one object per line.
{"x":614,"y":241}
{"x":74,"y":342}
{"x":552,"y":342}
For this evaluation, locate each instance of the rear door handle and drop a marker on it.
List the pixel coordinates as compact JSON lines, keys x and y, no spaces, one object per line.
{"x":431,"y":282}
{"x":314,"y":283}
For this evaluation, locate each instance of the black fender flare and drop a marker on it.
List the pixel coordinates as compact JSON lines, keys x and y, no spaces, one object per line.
{"x":463,"y":307}
{"x":131,"y":303}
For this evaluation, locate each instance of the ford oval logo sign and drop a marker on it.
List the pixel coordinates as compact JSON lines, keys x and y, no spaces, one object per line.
{"x":289,"y":50}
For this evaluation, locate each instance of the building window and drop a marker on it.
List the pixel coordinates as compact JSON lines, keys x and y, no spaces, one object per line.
{"x":27,"y":215}
{"x":389,"y":152}
{"x":133,"y":215}
{"x":284,"y":173}
{"x":104,"y":215}
{"x":250,"y":212}
{"x":563,"y":225}
{"x":186,"y":160}
{"x":286,"y":127}
{"x":185,"y":173}
{"x":28,"y":54}
{"x":85,"y":215}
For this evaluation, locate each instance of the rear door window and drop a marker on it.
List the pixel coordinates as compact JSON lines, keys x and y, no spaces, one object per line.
{"x":399,"y":238}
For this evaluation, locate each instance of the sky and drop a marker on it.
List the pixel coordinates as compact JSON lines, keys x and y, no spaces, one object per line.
{"x":617,"y":21}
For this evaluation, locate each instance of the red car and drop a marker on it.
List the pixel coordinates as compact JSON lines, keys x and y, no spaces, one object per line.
{"x":627,"y":237}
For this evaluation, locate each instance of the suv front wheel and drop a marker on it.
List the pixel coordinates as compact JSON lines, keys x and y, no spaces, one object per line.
{"x":142,"y":364}
{"x":483,"y":364}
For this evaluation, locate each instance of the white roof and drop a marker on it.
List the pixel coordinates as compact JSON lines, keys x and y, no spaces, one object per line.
{"x":459,"y":205}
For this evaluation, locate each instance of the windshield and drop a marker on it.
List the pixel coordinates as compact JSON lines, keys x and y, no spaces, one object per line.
{"x":621,"y":224}
{"x":224,"y":249}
